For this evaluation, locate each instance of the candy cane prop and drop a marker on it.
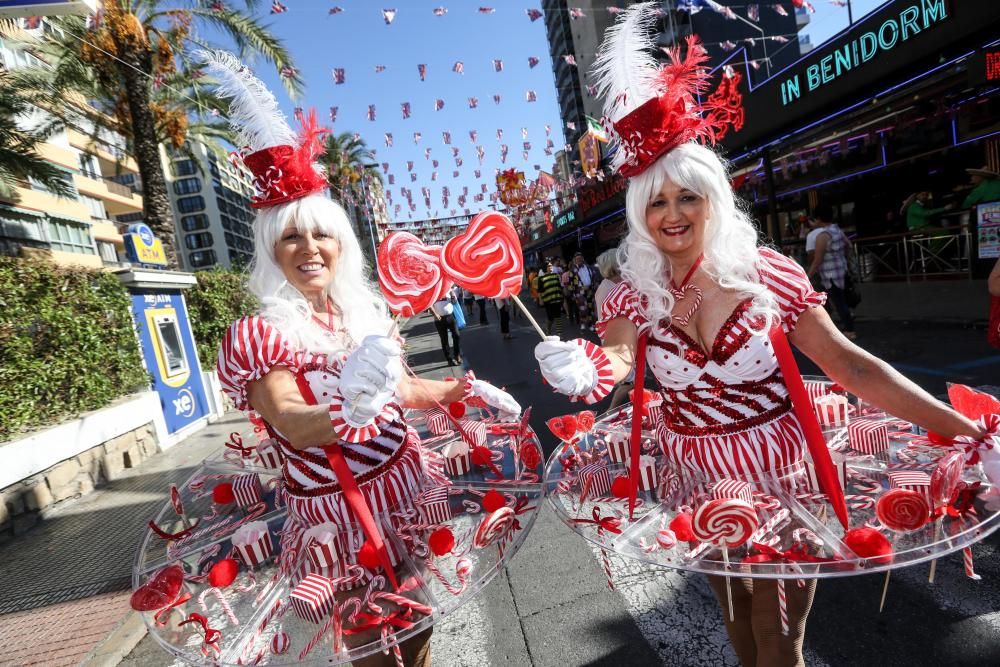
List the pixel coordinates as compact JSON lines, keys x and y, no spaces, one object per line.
{"x":462,"y":570}
{"x":782,"y":607}
{"x":221,"y":597}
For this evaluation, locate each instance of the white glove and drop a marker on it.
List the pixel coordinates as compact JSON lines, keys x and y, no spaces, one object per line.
{"x":565,"y":366}
{"x":369,"y":378}
{"x":508,"y":408}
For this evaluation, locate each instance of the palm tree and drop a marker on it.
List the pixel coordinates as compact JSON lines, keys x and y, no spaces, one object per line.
{"x":137,"y":62}
{"x":349,"y":170}
{"x":18,"y":157}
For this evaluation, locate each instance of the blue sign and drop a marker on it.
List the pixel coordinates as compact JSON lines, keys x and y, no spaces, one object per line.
{"x":169,"y":352}
{"x":142,"y":247}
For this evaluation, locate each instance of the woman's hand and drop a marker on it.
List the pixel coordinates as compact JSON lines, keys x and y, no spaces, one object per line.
{"x":509,"y":409}
{"x":369,"y":379}
{"x":566,"y":367}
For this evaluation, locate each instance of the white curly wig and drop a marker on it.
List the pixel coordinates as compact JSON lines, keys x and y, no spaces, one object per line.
{"x":731,"y":256}
{"x":362,"y":309}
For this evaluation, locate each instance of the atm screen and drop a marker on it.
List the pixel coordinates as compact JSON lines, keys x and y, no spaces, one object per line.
{"x":170,"y":346}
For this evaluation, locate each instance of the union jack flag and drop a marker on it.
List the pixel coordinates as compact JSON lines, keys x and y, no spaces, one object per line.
{"x":422,"y":71}
{"x":530,"y":96}
{"x":458,"y":67}
{"x":576,"y":13}
{"x":388,"y":15}
{"x":532,"y":61}
{"x":440,"y":11}
{"x":336,"y":10}
{"x":427,"y":154}
{"x":496,"y":99}
{"x":339,"y":76}
{"x":486,"y":10}
{"x":499,"y":134}
{"x":478,"y":174}
{"x":371,"y":112}
{"x":417,"y":137}
{"x":497,"y":65}
{"x":333,"y":114}
{"x":548,"y":130}
{"x":446,"y":137}
{"x":379,"y":69}
{"x":473,"y":136}
{"x":278,"y":8}
{"x":409,"y":165}
{"x":413,"y":178}
{"x":534,"y":14}
{"x":570,"y":59}
{"x":438,"y":105}
{"x":434,"y":175}
{"x":753,"y":12}
{"x":473,"y":102}
{"x":388,"y":139}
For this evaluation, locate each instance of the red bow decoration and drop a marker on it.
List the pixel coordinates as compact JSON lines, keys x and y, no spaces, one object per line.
{"x":236,"y":443}
{"x":611,"y":524}
{"x":211,"y":635}
{"x":799,"y":553}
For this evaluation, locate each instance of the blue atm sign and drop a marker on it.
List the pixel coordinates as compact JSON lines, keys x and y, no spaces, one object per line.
{"x":142,"y":247}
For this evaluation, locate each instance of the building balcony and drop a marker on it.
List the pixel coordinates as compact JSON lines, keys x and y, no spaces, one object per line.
{"x":112,"y":157}
{"x":118,"y":199}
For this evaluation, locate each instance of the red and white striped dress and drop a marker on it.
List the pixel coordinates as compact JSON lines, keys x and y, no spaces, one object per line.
{"x":389,"y":469}
{"x":726,"y":411}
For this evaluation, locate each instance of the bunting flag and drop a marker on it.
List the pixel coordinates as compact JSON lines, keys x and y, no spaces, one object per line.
{"x":427,"y":154}
{"x":379,"y":69}
{"x":434,"y":175}
{"x":503,"y":153}
{"x":781,"y":10}
{"x":486,"y":10}
{"x":385,"y":167}
{"x":388,"y":15}
{"x":534,"y":14}
{"x":753,"y":12}
{"x":570,"y":59}
{"x":288,"y":72}
{"x":615,"y":11}
{"x":727,"y":45}
{"x":405,"y":106}
{"x":497,"y":65}
{"x":571,"y":125}
{"x":480,"y":153}
{"x":458,"y":67}
{"x":548,"y":130}
{"x":335,"y":10}
{"x":454,"y":151}
{"x":479,"y":175}
{"x":496,"y":99}
{"x":338,"y":75}
{"x":576,"y":13}
{"x":371,"y":112}
{"x":454,"y":174}
{"x":388,"y":139}
{"x":434,"y":163}
{"x":527,"y":147}
{"x":278,"y":8}
{"x":440,"y":11}
{"x":438,"y":105}
{"x":446,"y":137}
{"x":417,"y":137}
{"x":499,"y":134}
{"x":473,"y":136}
{"x":392,"y":181}
{"x":524,"y":155}
{"x":530,"y":96}
{"x":422,"y":71}
{"x":409,"y":165}
{"x":473,"y":102}
{"x":532,"y":61}
{"x":524,"y":133}
{"x":413,"y":178}
{"x":780,"y":39}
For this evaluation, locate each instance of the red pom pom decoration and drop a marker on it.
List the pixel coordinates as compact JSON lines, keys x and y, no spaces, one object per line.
{"x":493,"y":500}
{"x":222,"y":494}
{"x":223,"y":573}
{"x":441,"y":541}
{"x":869,"y":543}
{"x":619,"y":487}
{"x":681,"y":525}
{"x":482,"y":456}
{"x":456,"y":409}
{"x":530,"y":456}
{"x":368,"y":556}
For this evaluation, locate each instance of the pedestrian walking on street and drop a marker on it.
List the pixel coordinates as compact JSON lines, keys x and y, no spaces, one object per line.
{"x":828,"y":253}
{"x":583,"y":282}
{"x":550,"y":291}
{"x":481,"y":302}
{"x":469,"y":298}
{"x":709,"y":301}
{"x":503,"y":307}
{"x":445,"y":323}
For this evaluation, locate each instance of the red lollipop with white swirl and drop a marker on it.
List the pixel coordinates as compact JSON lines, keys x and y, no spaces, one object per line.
{"x":725,"y":522}
{"x":409,"y":274}
{"x":493,"y":527}
{"x":902,"y":509}
{"x":946,"y":477}
{"x":486,"y":259}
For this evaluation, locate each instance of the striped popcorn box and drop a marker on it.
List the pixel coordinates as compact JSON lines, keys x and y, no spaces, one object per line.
{"x":647,"y":473}
{"x":831,"y":410}
{"x":433,"y":505}
{"x":438,"y":422}
{"x":733,"y":488}
{"x":324,"y":545}
{"x":669,"y":483}
{"x":457,"y":458}
{"x":313,"y":598}
{"x":839,"y":463}
{"x":816,"y":389}
{"x":868,"y":436}
{"x":253,"y":543}
{"x":912,"y":480}
{"x":268,"y":455}
{"x":247,"y":490}
{"x":618,"y":447}
{"x":476,"y":431}
{"x":594,"y":481}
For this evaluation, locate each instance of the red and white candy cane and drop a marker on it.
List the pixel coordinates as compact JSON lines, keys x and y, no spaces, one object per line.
{"x":254,"y":512}
{"x":782,"y":607}
{"x":863,"y":483}
{"x":401,"y":601}
{"x":967,"y":563}
{"x":771,"y":525}
{"x":763,"y":501}
{"x":462,"y":569}
{"x":854,"y":501}
{"x":221,"y":597}
{"x":249,"y":585}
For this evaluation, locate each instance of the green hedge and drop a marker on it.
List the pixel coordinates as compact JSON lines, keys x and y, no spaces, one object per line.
{"x":219,"y":299}
{"x":67,"y":344}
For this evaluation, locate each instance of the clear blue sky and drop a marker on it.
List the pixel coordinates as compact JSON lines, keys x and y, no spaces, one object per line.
{"x":358,"y":39}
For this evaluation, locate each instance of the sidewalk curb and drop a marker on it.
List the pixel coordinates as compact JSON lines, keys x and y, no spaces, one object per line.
{"x":118,"y":644}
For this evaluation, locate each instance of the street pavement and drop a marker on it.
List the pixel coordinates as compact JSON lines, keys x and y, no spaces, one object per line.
{"x":64,"y":585}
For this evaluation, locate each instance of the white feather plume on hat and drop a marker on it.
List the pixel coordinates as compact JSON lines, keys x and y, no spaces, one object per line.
{"x":625,"y":68}
{"x":253,"y":110}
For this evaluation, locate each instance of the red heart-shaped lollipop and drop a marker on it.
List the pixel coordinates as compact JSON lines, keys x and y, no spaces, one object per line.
{"x":409,"y":274}
{"x":971,"y":403}
{"x":585,"y":421}
{"x":486,"y":259}
{"x":530,"y":456}
{"x":564,"y":427}
{"x":159,"y":591}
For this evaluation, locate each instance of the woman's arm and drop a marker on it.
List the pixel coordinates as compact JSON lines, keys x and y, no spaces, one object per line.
{"x":620,"y":341}
{"x":993,"y":284}
{"x":419,"y":393}
{"x":872,"y":379}
{"x":276,"y":397}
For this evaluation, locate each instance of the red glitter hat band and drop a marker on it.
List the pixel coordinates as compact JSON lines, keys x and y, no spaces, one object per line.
{"x":284,"y":173}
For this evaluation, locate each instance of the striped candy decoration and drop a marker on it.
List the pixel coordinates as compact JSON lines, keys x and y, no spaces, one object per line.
{"x":475,"y":431}
{"x":438,"y":422}
{"x":325,"y":552}
{"x":831,"y":409}
{"x":313,"y":598}
{"x":816,"y":389}
{"x":280,"y":643}
{"x":252,"y":542}
{"x":594,"y":480}
{"x":618,"y":447}
{"x":647,"y":473}
{"x":433,"y":505}
{"x":839,"y":464}
{"x":868,"y":436}
{"x":268,"y":454}
{"x":733,"y":488}
{"x":247,"y":490}
{"x":912,"y":480}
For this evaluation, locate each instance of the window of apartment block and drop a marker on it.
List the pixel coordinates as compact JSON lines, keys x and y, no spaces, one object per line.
{"x":185,"y":167}
{"x":191,"y":204}
{"x":187,"y":186}
{"x":62,"y":176}
{"x":96,"y":207}
{"x":70,"y":237}
{"x":202,"y":258}
{"x":107,"y":251}
{"x":88,"y":166}
{"x":194,"y":223}
{"x":129,"y":218}
{"x":199,"y":240}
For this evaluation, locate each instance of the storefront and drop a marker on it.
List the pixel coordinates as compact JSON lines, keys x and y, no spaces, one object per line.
{"x":594,"y":223}
{"x":903,"y":101}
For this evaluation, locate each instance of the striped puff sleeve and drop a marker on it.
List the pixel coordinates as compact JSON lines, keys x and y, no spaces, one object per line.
{"x":789,"y":284}
{"x":249,"y":350}
{"x":622,"y":301}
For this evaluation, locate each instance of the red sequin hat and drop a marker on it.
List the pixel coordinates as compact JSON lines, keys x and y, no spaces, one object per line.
{"x":282,"y":162}
{"x":651,"y":109}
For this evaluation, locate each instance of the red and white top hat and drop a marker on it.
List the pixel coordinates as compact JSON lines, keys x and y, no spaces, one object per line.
{"x":649,"y":108}
{"x":283,"y":163}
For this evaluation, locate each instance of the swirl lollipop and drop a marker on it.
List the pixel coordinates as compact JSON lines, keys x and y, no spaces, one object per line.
{"x":493,"y":527}
{"x":902,"y":509}
{"x":409,"y":274}
{"x":725,"y":522}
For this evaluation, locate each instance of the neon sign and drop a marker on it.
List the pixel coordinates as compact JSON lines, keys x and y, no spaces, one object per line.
{"x":993,"y":65}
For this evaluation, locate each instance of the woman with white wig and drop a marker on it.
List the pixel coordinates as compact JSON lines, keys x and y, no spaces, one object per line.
{"x":705,"y":297}
{"x":319,"y":362}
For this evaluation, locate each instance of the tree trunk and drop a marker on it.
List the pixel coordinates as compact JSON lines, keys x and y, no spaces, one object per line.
{"x":155,"y":199}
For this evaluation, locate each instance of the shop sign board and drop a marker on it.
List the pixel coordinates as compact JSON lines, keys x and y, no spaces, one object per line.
{"x":142,"y":247}
{"x":988,"y":229}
